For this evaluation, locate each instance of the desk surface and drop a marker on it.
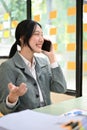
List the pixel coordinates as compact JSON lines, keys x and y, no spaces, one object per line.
{"x":65,"y":106}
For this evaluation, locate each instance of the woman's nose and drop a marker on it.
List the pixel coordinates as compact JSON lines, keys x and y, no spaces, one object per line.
{"x":41,"y":38}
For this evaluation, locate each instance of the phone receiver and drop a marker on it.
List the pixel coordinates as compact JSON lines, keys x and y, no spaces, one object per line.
{"x":46,"y":45}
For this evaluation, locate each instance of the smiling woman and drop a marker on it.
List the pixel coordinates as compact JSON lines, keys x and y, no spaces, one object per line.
{"x":28,"y":79}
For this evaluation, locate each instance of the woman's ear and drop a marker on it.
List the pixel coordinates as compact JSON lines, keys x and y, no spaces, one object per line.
{"x":21,"y":41}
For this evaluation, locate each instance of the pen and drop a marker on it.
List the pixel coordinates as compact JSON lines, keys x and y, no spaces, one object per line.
{"x":75,"y":126}
{"x":72,"y":125}
{"x":69,"y":124}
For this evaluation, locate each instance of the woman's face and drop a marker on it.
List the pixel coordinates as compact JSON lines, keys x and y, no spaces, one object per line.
{"x":36,"y":40}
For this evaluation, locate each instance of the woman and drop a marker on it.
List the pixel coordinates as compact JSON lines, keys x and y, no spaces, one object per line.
{"x":26,"y":79}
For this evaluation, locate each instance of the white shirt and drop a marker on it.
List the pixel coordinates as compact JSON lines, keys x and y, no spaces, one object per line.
{"x":31,"y":67}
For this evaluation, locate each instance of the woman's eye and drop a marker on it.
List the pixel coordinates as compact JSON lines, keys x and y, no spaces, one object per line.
{"x":38,"y":34}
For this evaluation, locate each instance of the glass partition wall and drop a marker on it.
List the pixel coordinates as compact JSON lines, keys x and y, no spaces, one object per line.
{"x":84,"y":79}
{"x":11,"y":12}
{"x":58,"y":19}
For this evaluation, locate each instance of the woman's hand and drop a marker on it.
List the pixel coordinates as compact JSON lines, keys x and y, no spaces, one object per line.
{"x":16,"y":91}
{"x":50,"y":54}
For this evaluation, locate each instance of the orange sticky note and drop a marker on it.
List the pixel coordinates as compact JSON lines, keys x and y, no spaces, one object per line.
{"x":37,"y":18}
{"x":55,"y":46}
{"x":85,"y":45}
{"x":53,"y":14}
{"x":71,"y":47}
{"x":71,"y":11}
{"x":71,"y":66}
{"x":71,"y":28}
{"x":85,"y":7}
{"x":85,"y":66}
{"x":85,"y":27}
{"x":1,"y":26}
{"x":14,"y":23}
{"x":53,"y":31}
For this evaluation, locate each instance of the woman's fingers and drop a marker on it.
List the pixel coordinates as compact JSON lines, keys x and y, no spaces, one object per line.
{"x":17,"y":91}
{"x":11,"y":86}
{"x":22,"y":89}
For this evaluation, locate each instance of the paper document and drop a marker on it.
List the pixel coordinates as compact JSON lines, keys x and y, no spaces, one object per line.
{"x":31,"y":120}
{"x":1,"y":128}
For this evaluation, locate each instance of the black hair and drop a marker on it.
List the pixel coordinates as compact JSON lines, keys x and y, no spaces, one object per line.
{"x":24,"y":29}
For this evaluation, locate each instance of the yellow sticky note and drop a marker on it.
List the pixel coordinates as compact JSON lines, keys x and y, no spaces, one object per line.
{"x":85,"y":7}
{"x":71,"y":11}
{"x":53,"y":31}
{"x":6,"y":16}
{"x":71,"y":28}
{"x":71,"y":47}
{"x":6,"y":34}
{"x":14,"y":23}
{"x":53,"y":14}
{"x":37,"y":18}
{"x":85,"y":66}
{"x":85,"y":27}
{"x":55,"y":46}
{"x":71,"y":66}
{"x":85,"y":45}
{"x":1,"y":26}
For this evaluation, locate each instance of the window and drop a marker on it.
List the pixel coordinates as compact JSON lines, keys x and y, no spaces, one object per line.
{"x":58,"y":19}
{"x":11,"y":12}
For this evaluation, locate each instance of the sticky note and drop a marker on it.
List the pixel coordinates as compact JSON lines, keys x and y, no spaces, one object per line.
{"x":85,"y":45}
{"x":71,"y":11}
{"x":6,"y":16}
{"x":14,"y":23}
{"x":55,"y":46}
{"x":37,"y":18}
{"x":85,"y":66}
{"x":71,"y":65}
{"x":6,"y":34}
{"x":85,"y":8}
{"x":71,"y":47}
{"x":85,"y":27}
{"x":53,"y":14}
{"x":53,"y":31}
{"x":1,"y":26}
{"x":71,"y":28}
